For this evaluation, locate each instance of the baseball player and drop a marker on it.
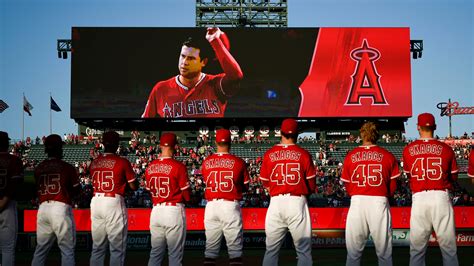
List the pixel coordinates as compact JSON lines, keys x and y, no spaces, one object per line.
{"x":289,"y":174}
{"x":369,"y":173}
{"x":226,"y":177}
{"x":11,"y":175}
{"x":57,"y":183}
{"x":193,"y":93}
{"x":109,"y":219}
{"x":168,"y":183}
{"x":432,"y":169}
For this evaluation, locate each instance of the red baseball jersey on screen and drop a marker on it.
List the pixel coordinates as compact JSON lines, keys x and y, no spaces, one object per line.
{"x":470,"y":170}
{"x":368,"y":170}
{"x":165,"y":179}
{"x":110,"y":174}
{"x":225,"y":176}
{"x":286,"y":169}
{"x":170,"y":98}
{"x":11,"y":168}
{"x":55,"y":180}
{"x":431,"y":165}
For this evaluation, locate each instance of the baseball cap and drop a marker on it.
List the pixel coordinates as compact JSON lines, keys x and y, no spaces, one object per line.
{"x":289,"y":126}
{"x":168,"y":139}
{"x":4,"y":136}
{"x":426,"y":119}
{"x":53,"y":140}
{"x":110,"y":137}
{"x":223,"y":135}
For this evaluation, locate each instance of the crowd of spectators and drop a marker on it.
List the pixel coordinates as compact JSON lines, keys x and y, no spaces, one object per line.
{"x":330,"y":189}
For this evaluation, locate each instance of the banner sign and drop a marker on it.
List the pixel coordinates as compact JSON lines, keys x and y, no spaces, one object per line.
{"x":450,"y":109}
{"x":254,"y":218}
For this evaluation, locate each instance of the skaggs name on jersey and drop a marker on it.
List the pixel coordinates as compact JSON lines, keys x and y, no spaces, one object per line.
{"x":425,"y":149}
{"x":285,"y":155}
{"x":366,"y":156}
{"x":194,"y":107}
{"x":219,"y":163}
{"x":108,"y":164}
{"x":159,"y":169}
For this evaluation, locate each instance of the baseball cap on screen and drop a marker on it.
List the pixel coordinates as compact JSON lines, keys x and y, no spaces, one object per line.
{"x":426,"y":119}
{"x":223,"y":135}
{"x":168,"y":139}
{"x":53,"y":141}
{"x":110,"y":137}
{"x":289,"y":126}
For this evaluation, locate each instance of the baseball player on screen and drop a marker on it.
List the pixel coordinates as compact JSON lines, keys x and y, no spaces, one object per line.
{"x":109,"y":219}
{"x":11,"y":176}
{"x":432,"y":169}
{"x":57,"y":183}
{"x":226,"y":177}
{"x":369,"y":173}
{"x":168,"y":183}
{"x":289,"y":174}
{"x":193,"y":93}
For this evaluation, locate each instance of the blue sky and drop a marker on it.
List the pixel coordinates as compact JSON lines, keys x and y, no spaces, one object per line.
{"x":29,"y":64}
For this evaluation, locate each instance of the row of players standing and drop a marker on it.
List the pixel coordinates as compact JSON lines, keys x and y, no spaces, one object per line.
{"x":288,"y":173}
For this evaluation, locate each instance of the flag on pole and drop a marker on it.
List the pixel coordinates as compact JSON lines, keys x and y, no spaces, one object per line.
{"x":3,"y":106}
{"x":54,"y":105}
{"x":27,"y":107}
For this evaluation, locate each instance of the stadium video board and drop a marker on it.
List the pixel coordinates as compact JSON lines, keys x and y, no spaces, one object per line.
{"x":132,"y":73}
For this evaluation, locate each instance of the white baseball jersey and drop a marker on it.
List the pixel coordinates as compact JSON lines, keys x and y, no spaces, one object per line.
{"x":109,"y":219}
{"x":289,"y":174}
{"x":369,"y":173}
{"x":225,"y":176}
{"x":432,"y":168}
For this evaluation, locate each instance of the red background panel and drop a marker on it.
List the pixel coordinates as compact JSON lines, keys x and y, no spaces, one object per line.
{"x":326,"y":88}
{"x":254,"y":218}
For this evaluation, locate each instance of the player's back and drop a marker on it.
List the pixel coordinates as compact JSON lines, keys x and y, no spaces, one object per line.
{"x":430,"y":164}
{"x":224,"y":175}
{"x":55,"y":180}
{"x":367,"y":171}
{"x":10,"y":167}
{"x":286,"y":168}
{"x":110,"y":174}
{"x":165,"y":179}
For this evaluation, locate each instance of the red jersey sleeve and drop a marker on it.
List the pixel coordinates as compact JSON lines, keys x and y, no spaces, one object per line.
{"x":346,"y":169}
{"x":454,"y":167}
{"x":470,"y":170}
{"x":74,"y":177}
{"x":310,"y":170}
{"x":151,"y":105}
{"x":394,"y":168}
{"x":246,"y":174}
{"x":17,"y":168}
{"x":264,"y":174}
{"x":183,"y":179}
{"x":129,"y":174}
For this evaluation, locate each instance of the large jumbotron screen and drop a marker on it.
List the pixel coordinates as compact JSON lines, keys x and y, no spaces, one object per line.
{"x":132,"y":73}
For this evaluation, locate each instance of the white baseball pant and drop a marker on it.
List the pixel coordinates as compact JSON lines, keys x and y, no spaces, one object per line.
{"x":55,"y":221}
{"x":109,"y":221}
{"x":285,"y":213}
{"x":432,"y":209}
{"x":369,"y":215}
{"x":8,"y":233}
{"x":168,"y":228}
{"x":222,"y":217}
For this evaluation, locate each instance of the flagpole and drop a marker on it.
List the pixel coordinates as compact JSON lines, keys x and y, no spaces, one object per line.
{"x":50,"y":116}
{"x":23,"y":118}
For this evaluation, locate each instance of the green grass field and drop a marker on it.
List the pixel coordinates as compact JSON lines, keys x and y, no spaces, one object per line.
{"x":332,"y":257}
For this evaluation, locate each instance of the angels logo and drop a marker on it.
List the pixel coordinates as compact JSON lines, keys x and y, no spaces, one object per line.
{"x":365,"y":79}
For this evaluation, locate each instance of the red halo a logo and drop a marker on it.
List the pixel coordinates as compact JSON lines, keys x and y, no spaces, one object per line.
{"x":365,"y":79}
